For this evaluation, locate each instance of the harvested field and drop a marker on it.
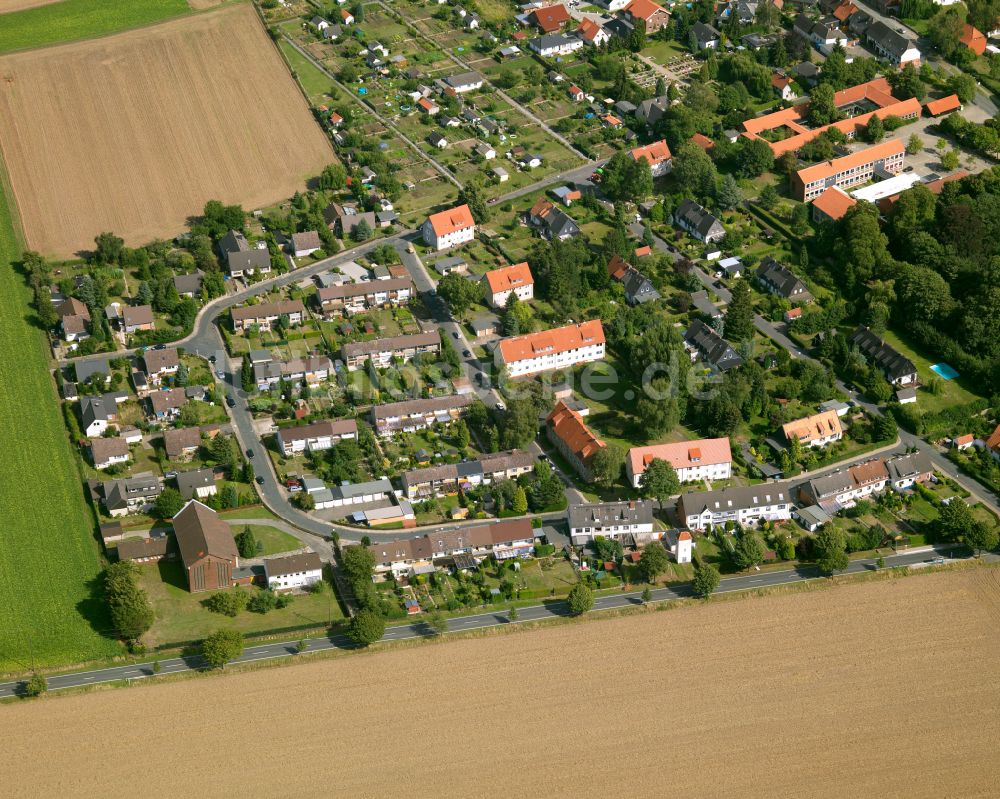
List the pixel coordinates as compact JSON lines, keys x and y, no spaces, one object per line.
{"x":135,"y":132}
{"x":885,"y":688}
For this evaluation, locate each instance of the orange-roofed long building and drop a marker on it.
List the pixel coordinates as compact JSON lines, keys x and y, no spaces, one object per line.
{"x":849,"y":170}
{"x":507,"y":280}
{"x":815,"y":431}
{"x":657,"y":155}
{"x":792,"y":121}
{"x":574,"y":440}
{"x":706,"y":459}
{"x":944,"y":105}
{"x":559,"y":348}
{"x":450,"y":228}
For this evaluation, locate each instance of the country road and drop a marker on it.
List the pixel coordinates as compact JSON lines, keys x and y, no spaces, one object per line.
{"x":494,"y":618}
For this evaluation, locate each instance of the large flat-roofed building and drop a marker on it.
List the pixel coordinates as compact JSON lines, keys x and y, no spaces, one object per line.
{"x":383,"y":350}
{"x":704,"y":459}
{"x":744,"y":505}
{"x":559,"y":348}
{"x":849,"y":170}
{"x":857,"y":103}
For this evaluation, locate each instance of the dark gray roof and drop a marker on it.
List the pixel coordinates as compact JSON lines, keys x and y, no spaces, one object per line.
{"x":909,"y":465}
{"x":84,"y":369}
{"x":638,"y":287}
{"x":780,"y":280}
{"x":607,"y":514}
{"x":887,"y":39}
{"x":698,"y":218}
{"x":188,"y":284}
{"x":713,"y":347}
{"x":463,"y":79}
{"x":704,"y":33}
{"x":734,"y":498}
{"x":187,"y":482}
{"x":892,"y":363}
{"x":831,"y":485}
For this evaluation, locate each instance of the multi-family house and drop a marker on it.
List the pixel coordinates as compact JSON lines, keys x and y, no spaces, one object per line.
{"x":897,"y":368}
{"x":450,"y":228}
{"x":130,"y":495}
{"x":618,"y":521}
{"x":906,"y":470}
{"x":289,"y":572}
{"x":315,"y":437}
{"x":697,"y":221}
{"x":418,"y":414}
{"x":781,"y":281}
{"x":745,"y":505}
{"x":450,"y":477}
{"x":241,"y":258}
{"x":817,"y":430}
{"x":652,"y":15}
{"x":265,"y":314}
{"x":559,"y":348}
{"x":704,"y":459}
{"x":657,"y":155}
{"x":501,"y":283}
{"x":575,"y":441}
{"x":354,"y":298}
{"x":381,"y":351}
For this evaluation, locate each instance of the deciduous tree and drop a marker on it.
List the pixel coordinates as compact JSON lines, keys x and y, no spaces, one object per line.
{"x":221,"y":647}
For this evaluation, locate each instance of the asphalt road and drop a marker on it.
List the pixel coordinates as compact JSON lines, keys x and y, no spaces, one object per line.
{"x":496,"y":618}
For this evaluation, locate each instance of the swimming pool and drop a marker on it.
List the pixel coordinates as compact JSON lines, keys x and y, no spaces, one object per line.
{"x":944,"y":370}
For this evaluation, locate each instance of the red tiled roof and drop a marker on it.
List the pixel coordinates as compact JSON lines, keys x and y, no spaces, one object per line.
{"x":617,"y":267}
{"x":834,"y":202}
{"x":568,"y":426}
{"x":993,"y":442}
{"x":453,"y":219}
{"x":612,"y":120}
{"x":643,"y":9}
{"x":588,"y":29}
{"x":510,"y":277}
{"x":827,"y":168}
{"x":550,"y":18}
{"x":681,"y":454}
{"x":656,"y":153}
{"x":703,"y":141}
{"x":943,"y":105}
{"x":559,"y":339}
{"x":973,"y":39}
{"x":643,"y":251}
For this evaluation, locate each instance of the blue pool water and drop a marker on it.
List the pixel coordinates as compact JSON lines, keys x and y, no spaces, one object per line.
{"x":944,"y":370}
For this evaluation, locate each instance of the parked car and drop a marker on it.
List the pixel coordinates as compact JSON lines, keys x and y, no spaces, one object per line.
{"x":249,"y":453}
{"x":230,"y":402}
{"x":259,"y":480}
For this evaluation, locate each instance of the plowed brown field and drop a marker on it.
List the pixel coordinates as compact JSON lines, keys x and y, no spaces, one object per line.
{"x":881,"y":689}
{"x":19,"y":5}
{"x":134,"y":132}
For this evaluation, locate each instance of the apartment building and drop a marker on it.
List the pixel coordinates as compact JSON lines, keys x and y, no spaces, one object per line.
{"x":507,"y":280}
{"x":450,"y":228}
{"x":657,"y":155}
{"x":745,"y":505}
{"x":842,"y":489}
{"x":849,"y":170}
{"x":315,"y":437}
{"x":619,"y":521}
{"x":559,"y":348}
{"x":817,"y":430}
{"x":381,"y":351}
{"x":569,"y":434}
{"x":704,"y":459}
{"x":409,"y":416}
{"x":354,"y":298}
{"x":448,"y":478}
{"x":265,"y":314}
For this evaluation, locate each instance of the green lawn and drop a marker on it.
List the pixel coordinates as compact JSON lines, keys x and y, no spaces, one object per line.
{"x":952,"y":391}
{"x":275,"y":541}
{"x":314,"y":83}
{"x":181,"y":618}
{"x":48,"y":554}
{"x":70,"y":20}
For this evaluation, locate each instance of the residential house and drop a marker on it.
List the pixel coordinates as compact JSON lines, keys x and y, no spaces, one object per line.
{"x":849,"y":170}
{"x":652,"y":15}
{"x":551,"y":222}
{"x":241,"y":258}
{"x":680,"y":545}
{"x":85,"y":370}
{"x":806,"y":72}
{"x":781,"y":281}
{"x":435,"y":139}
{"x":315,"y":437}
{"x":197,"y":484}
{"x":892,"y":46}
{"x":159,"y":364}
{"x":131,"y":495}
{"x":97,"y":412}
{"x":906,"y":470}
{"x":382,"y":351}
{"x":74,"y":319}
{"x":265,"y":314}
{"x":464,"y":82}
{"x":427,"y":106}
{"x":592,"y":32}
{"x":290,"y":572}
{"x":207,"y":548}
{"x":973,"y":39}
{"x":188,"y":285}
{"x":137,"y":317}
{"x":843,"y":489}
{"x":353,"y":298}
{"x":705,"y":37}
{"x":832,"y":205}
{"x":897,"y":369}
{"x":305,"y":243}
{"x":657,"y":155}
{"x":107,"y":452}
{"x":418,"y":414}
{"x":181,"y":444}
{"x":555,"y":45}
{"x":511,"y":538}
{"x":782,"y":85}
{"x":692,"y":461}
{"x":717,"y":352}
{"x":744,"y":505}
{"x":817,"y":430}
{"x":575,"y":94}
{"x":569,"y":434}
{"x":559,"y":348}
{"x":310,"y":371}
{"x":501,"y":283}
{"x":450,"y":228}
{"x":697,"y":221}
{"x":649,"y":111}
{"x":166,"y":404}
{"x":549,"y":19}
{"x":617,"y":521}
{"x":436,"y":481}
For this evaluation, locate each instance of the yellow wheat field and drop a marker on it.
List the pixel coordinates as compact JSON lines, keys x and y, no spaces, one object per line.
{"x":883,"y":689}
{"x":134,"y":132}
